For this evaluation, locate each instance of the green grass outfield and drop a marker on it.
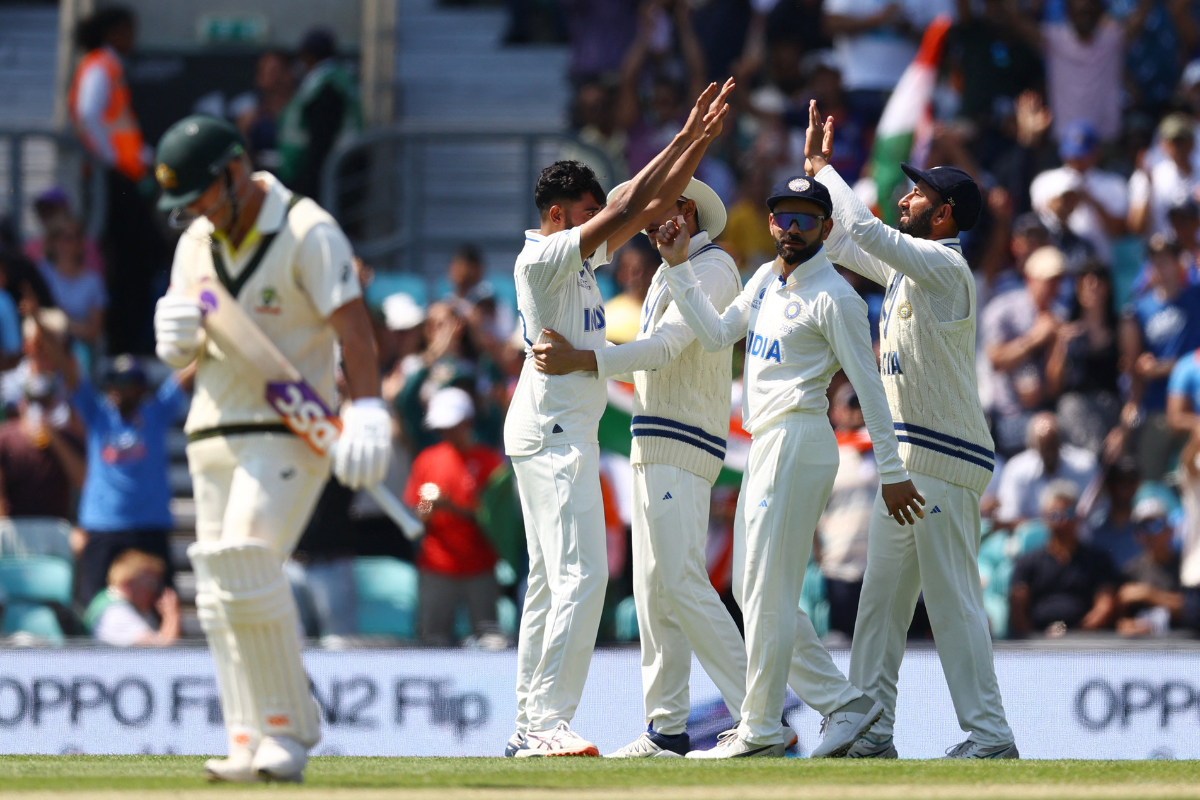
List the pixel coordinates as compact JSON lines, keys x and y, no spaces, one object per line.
{"x":180,"y":778}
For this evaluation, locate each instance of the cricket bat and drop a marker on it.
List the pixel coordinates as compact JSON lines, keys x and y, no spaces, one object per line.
{"x":300,"y":407}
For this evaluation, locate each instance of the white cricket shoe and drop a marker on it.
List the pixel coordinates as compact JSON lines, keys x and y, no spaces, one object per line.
{"x":280,"y":758}
{"x":731,"y":745}
{"x":971,"y":749}
{"x":558,"y":741}
{"x":869,"y":746}
{"x":515,"y":743}
{"x":841,"y":729}
{"x":652,"y":744}
{"x":234,"y":769}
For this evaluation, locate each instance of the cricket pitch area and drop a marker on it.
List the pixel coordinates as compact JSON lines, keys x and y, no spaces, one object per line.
{"x":350,"y":778}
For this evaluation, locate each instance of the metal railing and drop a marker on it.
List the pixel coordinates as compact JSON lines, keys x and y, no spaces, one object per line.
{"x":410,"y":192}
{"x":34,"y":159}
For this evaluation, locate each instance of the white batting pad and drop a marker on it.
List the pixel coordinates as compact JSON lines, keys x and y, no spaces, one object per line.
{"x":256,"y":602}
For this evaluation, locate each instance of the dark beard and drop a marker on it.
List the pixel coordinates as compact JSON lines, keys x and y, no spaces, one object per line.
{"x":804,"y":254}
{"x":919,"y":226}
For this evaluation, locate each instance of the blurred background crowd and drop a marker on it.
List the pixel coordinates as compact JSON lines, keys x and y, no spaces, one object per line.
{"x":1079,"y":119}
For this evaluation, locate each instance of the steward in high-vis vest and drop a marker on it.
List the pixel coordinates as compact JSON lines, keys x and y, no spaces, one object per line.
{"x":101,"y":111}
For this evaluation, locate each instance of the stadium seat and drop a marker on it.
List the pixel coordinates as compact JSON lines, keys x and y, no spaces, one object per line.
{"x":389,"y":283}
{"x":812,"y":599}
{"x":508,"y":616}
{"x":37,"y":579}
{"x":386,"y":590}
{"x":625,"y":621}
{"x":32,"y":618}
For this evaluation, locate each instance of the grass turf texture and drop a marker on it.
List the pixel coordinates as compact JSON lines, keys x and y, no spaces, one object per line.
{"x":180,"y":777}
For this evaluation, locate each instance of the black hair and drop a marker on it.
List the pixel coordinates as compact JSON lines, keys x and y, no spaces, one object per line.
{"x":565,"y":181}
{"x":318,"y":44}
{"x":91,"y":31}
{"x":468,"y":252}
{"x":1093,"y":267}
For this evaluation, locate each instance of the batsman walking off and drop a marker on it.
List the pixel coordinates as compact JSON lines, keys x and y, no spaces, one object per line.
{"x":255,"y":483}
{"x":927,"y":355}
{"x":802,"y":323}
{"x":550,"y":430}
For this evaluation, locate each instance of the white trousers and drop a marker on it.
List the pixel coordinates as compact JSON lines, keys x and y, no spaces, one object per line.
{"x":568,"y":573}
{"x":678,"y":609}
{"x":939,"y":555}
{"x":789,"y":476}
{"x":255,"y":488}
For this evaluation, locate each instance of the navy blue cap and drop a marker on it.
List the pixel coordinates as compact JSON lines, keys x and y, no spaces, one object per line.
{"x":1079,"y":138}
{"x":956,"y":187}
{"x":801,"y":188}
{"x":125,"y":371}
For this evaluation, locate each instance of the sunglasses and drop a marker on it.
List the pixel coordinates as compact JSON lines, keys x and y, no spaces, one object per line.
{"x":1060,"y":516}
{"x":806,"y":222}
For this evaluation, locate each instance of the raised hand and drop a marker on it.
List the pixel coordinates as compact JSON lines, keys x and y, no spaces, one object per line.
{"x":672,"y":240}
{"x":693,"y":129}
{"x":818,"y":141}
{"x":718,"y":110}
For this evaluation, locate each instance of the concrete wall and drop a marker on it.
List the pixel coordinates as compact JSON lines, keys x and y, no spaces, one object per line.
{"x":172,"y":24}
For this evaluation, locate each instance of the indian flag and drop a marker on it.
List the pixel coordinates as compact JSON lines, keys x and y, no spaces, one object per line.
{"x":906,"y":126}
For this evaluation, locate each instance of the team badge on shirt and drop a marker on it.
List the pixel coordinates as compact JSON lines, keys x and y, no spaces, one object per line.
{"x":793,"y":309}
{"x":268,"y":301}
{"x":905,"y":311}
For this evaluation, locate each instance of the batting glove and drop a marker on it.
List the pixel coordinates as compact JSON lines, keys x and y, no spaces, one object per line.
{"x":177,"y":326}
{"x":362,"y":452}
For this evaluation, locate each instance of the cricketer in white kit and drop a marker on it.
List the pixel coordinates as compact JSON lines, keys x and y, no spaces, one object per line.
{"x":255,"y":483}
{"x":927,"y":344}
{"x":802,"y":323}
{"x":680,"y":424}
{"x":550,"y":430}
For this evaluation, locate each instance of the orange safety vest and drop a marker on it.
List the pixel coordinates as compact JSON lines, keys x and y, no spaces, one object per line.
{"x":123,"y":132}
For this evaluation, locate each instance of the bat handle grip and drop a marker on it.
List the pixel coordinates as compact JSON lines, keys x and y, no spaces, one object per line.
{"x":409,"y":525}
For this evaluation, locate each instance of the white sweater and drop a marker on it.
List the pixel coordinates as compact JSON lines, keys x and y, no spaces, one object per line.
{"x":681,"y":392}
{"x":927,"y":339}
{"x":799,"y":333}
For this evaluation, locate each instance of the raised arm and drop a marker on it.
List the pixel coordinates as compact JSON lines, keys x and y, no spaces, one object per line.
{"x":628,"y":207}
{"x":842,"y":251}
{"x":714,"y":331}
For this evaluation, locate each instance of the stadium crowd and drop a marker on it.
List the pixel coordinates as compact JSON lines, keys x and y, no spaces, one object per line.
{"x":1080,"y":120}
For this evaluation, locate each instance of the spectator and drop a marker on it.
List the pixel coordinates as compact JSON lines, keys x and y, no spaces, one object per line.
{"x":126,"y":499}
{"x":257,"y":113}
{"x":996,"y":64}
{"x":10,"y":325}
{"x":401,"y":341}
{"x":747,"y":235}
{"x":636,"y":265}
{"x":473,"y":296}
{"x":39,"y":325}
{"x":102,"y":111}
{"x":1047,"y":460}
{"x":1081,"y":369}
{"x":1103,"y":204}
{"x":600,"y":33}
{"x":41,"y":464}
{"x":121,"y":616}
{"x":842,"y":532}
{"x":1059,"y":197}
{"x":77,"y":290}
{"x":874,"y":40}
{"x":323,"y":110}
{"x":321,"y":569}
{"x":50,"y":206}
{"x":1189,"y":491}
{"x":1066,"y":585}
{"x":1114,"y":532}
{"x":1151,"y":598}
{"x":1018,"y":330}
{"x":1156,"y":189}
{"x":1161,"y":325}
{"x":1184,"y":222}
{"x":1085,"y":58}
{"x":594,"y":120}
{"x":456,"y":563}
{"x":1153,"y":58}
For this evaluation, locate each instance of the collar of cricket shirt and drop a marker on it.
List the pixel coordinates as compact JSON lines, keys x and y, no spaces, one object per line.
{"x":802,"y":270}
{"x":698,"y":243}
{"x":270,"y":218}
{"x":953,"y":243}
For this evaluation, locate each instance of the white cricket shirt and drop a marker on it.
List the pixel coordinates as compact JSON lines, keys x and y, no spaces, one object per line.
{"x":799,"y":332}
{"x":556,"y":289}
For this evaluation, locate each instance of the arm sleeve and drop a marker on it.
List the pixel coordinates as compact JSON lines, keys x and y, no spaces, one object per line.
{"x":558,"y":258}
{"x":1180,"y":381}
{"x":672,"y":334}
{"x":326,"y":269}
{"x":1139,"y":189}
{"x":121,"y":626}
{"x":10,"y":325}
{"x":1008,"y":494}
{"x":86,"y":402}
{"x":930,"y":265}
{"x":94,"y":91}
{"x":844,"y":252}
{"x":172,"y":398}
{"x":844,"y":323}
{"x":714,"y":331}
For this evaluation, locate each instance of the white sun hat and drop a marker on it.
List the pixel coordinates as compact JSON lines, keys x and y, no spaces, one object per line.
{"x":710,"y":211}
{"x":447,"y":408}
{"x":401,"y":312}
